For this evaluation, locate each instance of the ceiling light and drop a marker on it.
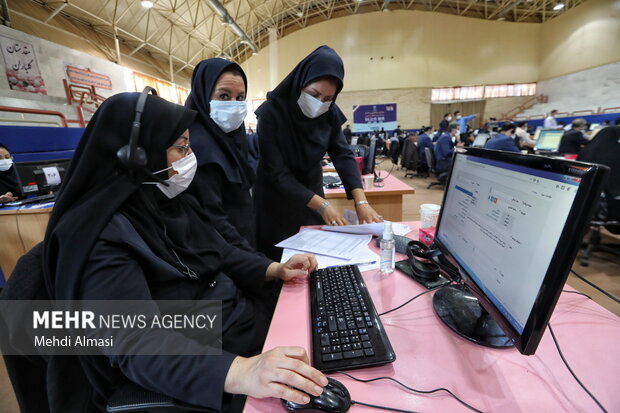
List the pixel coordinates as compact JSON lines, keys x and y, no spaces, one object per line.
{"x":147,"y":4}
{"x":558,"y":6}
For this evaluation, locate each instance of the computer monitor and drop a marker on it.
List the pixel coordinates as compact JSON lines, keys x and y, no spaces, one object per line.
{"x":512,"y":224}
{"x":548,"y":140}
{"x":480,"y":140}
{"x":368,"y":165}
{"x":594,"y":126}
{"x":41,"y":177}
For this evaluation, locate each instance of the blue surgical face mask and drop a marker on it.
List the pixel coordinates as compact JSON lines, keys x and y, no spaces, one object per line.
{"x":311,"y":106}
{"x":228,"y":114}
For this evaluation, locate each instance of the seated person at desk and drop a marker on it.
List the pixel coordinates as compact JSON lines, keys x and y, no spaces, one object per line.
{"x":503,"y":141}
{"x":522,"y":137}
{"x":149,"y":241}
{"x":9,"y":186}
{"x":424,"y":141}
{"x":573,"y":140}
{"x":298,"y":123}
{"x":444,"y":148}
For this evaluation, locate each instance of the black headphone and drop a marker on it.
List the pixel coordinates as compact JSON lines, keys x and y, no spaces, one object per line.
{"x":421,"y":260}
{"x":132,"y":156}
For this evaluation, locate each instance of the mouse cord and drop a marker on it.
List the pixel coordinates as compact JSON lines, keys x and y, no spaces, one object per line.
{"x":410,"y":300}
{"x":412,"y":389}
{"x":573,"y":373}
{"x":374,"y":406}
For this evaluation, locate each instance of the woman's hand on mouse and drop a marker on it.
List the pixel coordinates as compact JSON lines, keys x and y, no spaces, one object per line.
{"x":297,"y":267}
{"x":279,"y":372}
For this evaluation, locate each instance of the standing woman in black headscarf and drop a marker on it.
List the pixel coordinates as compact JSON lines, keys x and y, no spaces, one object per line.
{"x":121,"y":230}
{"x":297,"y":125}
{"x":224,"y":177}
{"x":9,"y":187}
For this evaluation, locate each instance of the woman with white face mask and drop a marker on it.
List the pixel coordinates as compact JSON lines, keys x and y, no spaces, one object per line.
{"x":224,"y":176}
{"x":298,"y":124}
{"x":9,"y":187}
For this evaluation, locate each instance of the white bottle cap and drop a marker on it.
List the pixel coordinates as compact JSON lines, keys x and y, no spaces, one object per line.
{"x":387,"y":230}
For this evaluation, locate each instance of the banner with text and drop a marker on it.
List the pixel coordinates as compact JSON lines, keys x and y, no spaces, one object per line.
{"x":22,"y":69}
{"x":87,"y":77}
{"x":369,"y":118}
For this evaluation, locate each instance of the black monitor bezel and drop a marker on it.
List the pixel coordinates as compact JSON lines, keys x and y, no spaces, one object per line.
{"x":62,"y":163}
{"x":368,"y":166}
{"x":593,"y":177}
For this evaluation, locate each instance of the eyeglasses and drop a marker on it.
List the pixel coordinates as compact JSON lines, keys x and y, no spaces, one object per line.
{"x":184,"y":148}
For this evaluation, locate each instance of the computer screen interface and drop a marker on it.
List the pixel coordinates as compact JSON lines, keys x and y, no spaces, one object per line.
{"x":481,"y":140}
{"x":549,"y":140}
{"x":512,"y":228}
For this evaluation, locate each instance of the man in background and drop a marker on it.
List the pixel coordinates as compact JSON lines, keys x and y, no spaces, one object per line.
{"x":522,"y":138}
{"x":503,"y":141}
{"x":551,"y":122}
{"x":348,"y":135}
{"x":462,"y":122}
{"x":444,"y":148}
{"x":574,"y":139}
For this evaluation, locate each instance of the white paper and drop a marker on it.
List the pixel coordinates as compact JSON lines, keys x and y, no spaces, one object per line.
{"x":332,"y":244}
{"x":373,"y":229}
{"x":52,"y":176}
{"x":364,"y":257}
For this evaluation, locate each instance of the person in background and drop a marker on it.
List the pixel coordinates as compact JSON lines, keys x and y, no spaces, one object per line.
{"x":503,"y":141}
{"x":573,"y":140}
{"x":551,"y":122}
{"x":348,"y":135}
{"x":522,"y":138}
{"x":148,"y":241}
{"x":225,"y":176}
{"x":462,"y":122}
{"x":398,"y":131}
{"x":617,"y":122}
{"x":444,"y":125}
{"x":444,"y":148}
{"x":424,"y":141}
{"x":297,"y":125}
{"x":9,"y":185}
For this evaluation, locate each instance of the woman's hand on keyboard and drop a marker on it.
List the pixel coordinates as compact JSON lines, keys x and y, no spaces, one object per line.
{"x":297,"y":267}
{"x":281,"y":372}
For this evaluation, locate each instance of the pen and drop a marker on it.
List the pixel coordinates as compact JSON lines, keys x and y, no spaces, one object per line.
{"x":366,"y":263}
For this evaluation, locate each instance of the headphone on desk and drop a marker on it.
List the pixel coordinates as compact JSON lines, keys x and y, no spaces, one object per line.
{"x":132,"y":156}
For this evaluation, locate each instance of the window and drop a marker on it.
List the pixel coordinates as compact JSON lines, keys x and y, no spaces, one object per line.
{"x":166,"y":90}
{"x":479,"y":92}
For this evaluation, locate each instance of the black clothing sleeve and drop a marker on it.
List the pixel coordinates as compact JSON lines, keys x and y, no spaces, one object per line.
{"x":344,"y":162}
{"x":277,"y":173}
{"x":113,"y":273}
{"x":211,"y":181}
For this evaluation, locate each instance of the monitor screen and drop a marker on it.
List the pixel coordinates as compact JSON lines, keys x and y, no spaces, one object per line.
{"x":41,"y":177}
{"x":368,"y":166}
{"x":548,"y":140}
{"x":512,"y":224}
{"x":480,"y":140}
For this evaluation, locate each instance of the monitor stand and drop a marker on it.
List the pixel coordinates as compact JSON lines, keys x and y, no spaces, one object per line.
{"x":459,"y":309}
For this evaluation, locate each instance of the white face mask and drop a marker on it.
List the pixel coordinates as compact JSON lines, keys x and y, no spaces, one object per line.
{"x":186,"y":169}
{"x":228,"y":114}
{"x":458,"y":117}
{"x":311,"y":106}
{"x":449,"y":118}
{"x":5,"y":164}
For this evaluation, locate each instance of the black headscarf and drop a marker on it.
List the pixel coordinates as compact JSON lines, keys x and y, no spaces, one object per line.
{"x":209,"y":142}
{"x":97,"y":186}
{"x":282,"y":104}
{"x":8,"y":182}
{"x":605,"y":149}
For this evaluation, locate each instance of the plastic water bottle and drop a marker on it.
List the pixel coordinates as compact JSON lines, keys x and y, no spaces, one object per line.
{"x":387,"y":247}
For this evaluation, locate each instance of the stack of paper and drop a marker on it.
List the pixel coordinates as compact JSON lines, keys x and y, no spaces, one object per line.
{"x":332,"y":248}
{"x":373,"y":229}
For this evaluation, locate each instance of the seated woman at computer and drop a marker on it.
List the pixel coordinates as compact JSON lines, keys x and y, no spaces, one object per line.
{"x":504,"y":140}
{"x":297,"y":124}
{"x":9,"y":187}
{"x":118,"y":232}
{"x":224,"y":176}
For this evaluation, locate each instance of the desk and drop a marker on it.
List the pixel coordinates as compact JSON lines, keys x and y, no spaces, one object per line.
{"x":21,"y":228}
{"x":429,"y":355}
{"x":387,"y":201}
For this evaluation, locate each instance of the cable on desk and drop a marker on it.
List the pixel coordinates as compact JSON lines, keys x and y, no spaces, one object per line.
{"x":590,"y":283}
{"x":374,"y":406}
{"x":412,"y":389}
{"x":408,"y":301}
{"x":572,"y":372}
{"x":576,"y":292}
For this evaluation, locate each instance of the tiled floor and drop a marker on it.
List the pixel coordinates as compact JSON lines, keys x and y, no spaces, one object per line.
{"x":604,"y":270}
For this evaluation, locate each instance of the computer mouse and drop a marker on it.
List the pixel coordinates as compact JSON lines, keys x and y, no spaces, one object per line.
{"x":334,"y":399}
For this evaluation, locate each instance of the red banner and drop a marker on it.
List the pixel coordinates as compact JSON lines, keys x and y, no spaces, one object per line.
{"x":88,"y":78}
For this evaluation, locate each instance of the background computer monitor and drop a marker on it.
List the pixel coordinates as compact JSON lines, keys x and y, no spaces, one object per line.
{"x":368,"y":165}
{"x":548,"y":140}
{"x":512,"y":224}
{"x":480,"y":140}
{"x":36,"y":179}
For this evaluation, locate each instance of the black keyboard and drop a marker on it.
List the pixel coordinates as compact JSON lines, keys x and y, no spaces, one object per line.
{"x":346,"y":330}
{"x":40,"y":198}
{"x":331,"y":180}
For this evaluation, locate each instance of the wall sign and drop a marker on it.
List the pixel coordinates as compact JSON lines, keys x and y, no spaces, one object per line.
{"x":368,"y":118}
{"x":86,"y":77}
{"x":22,"y":69}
